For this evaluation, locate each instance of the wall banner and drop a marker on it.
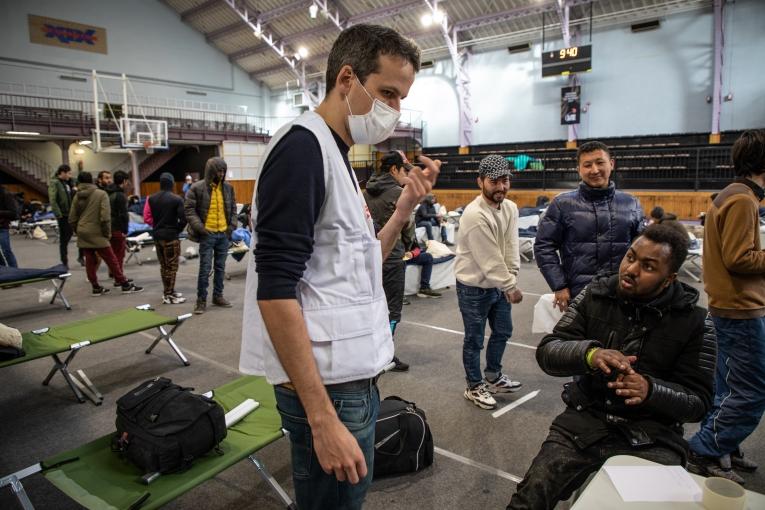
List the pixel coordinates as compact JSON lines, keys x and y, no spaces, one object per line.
{"x":569,"y":105}
{"x":67,"y":34}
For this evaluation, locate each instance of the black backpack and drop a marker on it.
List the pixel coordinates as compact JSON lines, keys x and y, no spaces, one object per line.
{"x":162,"y":427}
{"x":403,"y":442}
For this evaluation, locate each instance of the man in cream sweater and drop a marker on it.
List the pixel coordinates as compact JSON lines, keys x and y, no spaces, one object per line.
{"x":487,"y":267}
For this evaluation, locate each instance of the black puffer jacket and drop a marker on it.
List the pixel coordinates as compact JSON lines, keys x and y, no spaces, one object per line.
{"x":583,"y":232}
{"x":676,"y":350}
{"x":197,"y":202}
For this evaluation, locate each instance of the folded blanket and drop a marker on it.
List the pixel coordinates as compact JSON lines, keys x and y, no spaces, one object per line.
{"x":10,"y":337}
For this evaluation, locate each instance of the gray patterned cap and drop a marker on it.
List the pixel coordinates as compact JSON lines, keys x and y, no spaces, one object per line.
{"x":494,"y":167}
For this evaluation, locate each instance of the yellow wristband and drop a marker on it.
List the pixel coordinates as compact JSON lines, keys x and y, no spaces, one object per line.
{"x":589,"y":355}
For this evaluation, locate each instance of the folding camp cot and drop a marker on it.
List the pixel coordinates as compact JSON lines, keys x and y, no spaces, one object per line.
{"x":56,"y":275}
{"x":97,"y":478}
{"x":73,"y":337}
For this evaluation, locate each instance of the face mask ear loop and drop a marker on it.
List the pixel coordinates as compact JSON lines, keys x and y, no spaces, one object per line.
{"x":348,"y":103}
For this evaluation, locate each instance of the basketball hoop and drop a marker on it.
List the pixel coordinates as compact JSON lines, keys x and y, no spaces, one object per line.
{"x":148,"y":146}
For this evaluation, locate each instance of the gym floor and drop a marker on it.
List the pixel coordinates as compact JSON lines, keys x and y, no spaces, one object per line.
{"x":479,"y":454}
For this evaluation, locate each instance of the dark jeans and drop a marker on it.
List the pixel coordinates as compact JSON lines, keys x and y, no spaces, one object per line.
{"x":394,"y":273}
{"x":213,"y":250}
{"x":561,"y":467}
{"x":429,"y":224}
{"x":739,"y":387}
{"x":477,"y":305}
{"x":314,"y":489}
{"x":425,"y":260}
{"x":64,"y":236}
{"x":7,"y":258}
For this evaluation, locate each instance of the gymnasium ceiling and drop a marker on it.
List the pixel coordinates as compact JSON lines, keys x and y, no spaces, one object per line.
{"x":481,"y":25}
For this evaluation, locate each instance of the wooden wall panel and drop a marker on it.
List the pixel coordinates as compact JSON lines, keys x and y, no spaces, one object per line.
{"x":29,"y":192}
{"x":685,"y":204}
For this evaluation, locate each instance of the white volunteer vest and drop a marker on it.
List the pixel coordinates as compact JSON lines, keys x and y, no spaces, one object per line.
{"x":340,"y":293}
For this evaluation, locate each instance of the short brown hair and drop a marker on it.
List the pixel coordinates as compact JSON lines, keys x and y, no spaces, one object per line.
{"x":748,"y":153}
{"x":360,"y":47}
{"x":591,"y":147}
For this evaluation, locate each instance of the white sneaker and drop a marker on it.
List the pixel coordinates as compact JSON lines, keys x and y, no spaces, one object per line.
{"x":481,"y":397}
{"x":503,"y":385}
{"x":171,"y":299}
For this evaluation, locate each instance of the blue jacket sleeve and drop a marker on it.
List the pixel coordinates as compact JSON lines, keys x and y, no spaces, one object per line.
{"x":548,"y":242}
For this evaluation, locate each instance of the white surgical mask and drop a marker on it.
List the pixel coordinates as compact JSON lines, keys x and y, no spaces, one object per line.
{"x":375,"y":126}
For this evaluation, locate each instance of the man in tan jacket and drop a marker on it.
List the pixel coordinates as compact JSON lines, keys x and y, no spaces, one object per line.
{"x":734,"y":279}
{"x":487,"y":265}
{"x":90,"y":218}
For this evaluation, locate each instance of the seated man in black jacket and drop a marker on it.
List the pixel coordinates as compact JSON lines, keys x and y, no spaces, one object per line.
{"x":643,"y":360}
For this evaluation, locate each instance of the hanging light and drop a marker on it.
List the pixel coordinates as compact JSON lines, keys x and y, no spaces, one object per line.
{"x":438,"y":16}
{"x":313,"y":10}
{"x":258,"y":32}
{"x":297,"y":56}
{"x":426,"y":20}
{"x":303,"y":52}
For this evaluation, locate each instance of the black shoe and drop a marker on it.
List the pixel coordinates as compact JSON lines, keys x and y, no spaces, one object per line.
{"x":710,"y":466}
{"x":400,"y":365}
{"x":406,"y":302}
{"x":81,"y":261}
{"x":129,"y":280}
{"x":99,"y":291}
{"x":200,"y":307}
{"x":129,"y":288}
{"x":737,"y":460}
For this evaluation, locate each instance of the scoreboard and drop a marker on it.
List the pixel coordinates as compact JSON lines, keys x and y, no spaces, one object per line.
{"x":577,"y":59}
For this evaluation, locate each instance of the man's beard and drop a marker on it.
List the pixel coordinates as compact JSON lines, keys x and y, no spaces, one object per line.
{"x":495,"y":198}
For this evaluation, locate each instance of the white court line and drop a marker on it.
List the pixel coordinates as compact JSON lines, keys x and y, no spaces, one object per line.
{"x":462,"y":333}
{"x":510,"y":407}
{"x":479,"y":465}
{"x":201,"y":357}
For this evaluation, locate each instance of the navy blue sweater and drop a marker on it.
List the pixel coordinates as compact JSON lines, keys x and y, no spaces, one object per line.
{"x":290,"y":194}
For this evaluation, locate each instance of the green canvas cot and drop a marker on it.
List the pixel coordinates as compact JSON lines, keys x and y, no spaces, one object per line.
{"x":74,"y":336}
{"x":97,"y":478}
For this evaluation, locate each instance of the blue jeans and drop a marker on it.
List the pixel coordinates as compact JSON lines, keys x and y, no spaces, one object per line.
{"x":739,"y":387}
{"x":315,"y":489}
{"x":477,"y":305}
{"x":7,"y":258}
{"x":212,"y":247}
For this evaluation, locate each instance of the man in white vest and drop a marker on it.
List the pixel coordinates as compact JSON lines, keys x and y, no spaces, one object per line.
{"x":315,"y":314}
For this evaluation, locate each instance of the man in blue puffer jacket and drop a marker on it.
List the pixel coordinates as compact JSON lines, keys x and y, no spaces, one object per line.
{"x":586,"y":230}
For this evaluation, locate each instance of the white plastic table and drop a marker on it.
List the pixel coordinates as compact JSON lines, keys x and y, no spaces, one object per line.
{"x":602,"y":495}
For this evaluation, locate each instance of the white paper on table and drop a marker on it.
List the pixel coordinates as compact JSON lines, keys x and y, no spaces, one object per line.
{"x":653,"y":483}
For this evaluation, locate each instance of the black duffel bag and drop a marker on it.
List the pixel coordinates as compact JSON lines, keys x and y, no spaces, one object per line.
{"x":162,"y":427}
{"x":403,"y":442}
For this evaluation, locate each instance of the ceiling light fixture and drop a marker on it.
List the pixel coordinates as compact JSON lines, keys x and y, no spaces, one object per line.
{"x":438,"y":16}
{"x":85,"y":142}
{"x":313,"y":10}
{"x":258,"y":31}
{"x":303,"y":52}
{"x":426,"y":20}
{"x":23,"y":133}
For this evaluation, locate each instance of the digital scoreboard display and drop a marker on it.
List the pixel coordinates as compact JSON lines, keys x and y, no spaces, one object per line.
{"x":577,"y":59}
